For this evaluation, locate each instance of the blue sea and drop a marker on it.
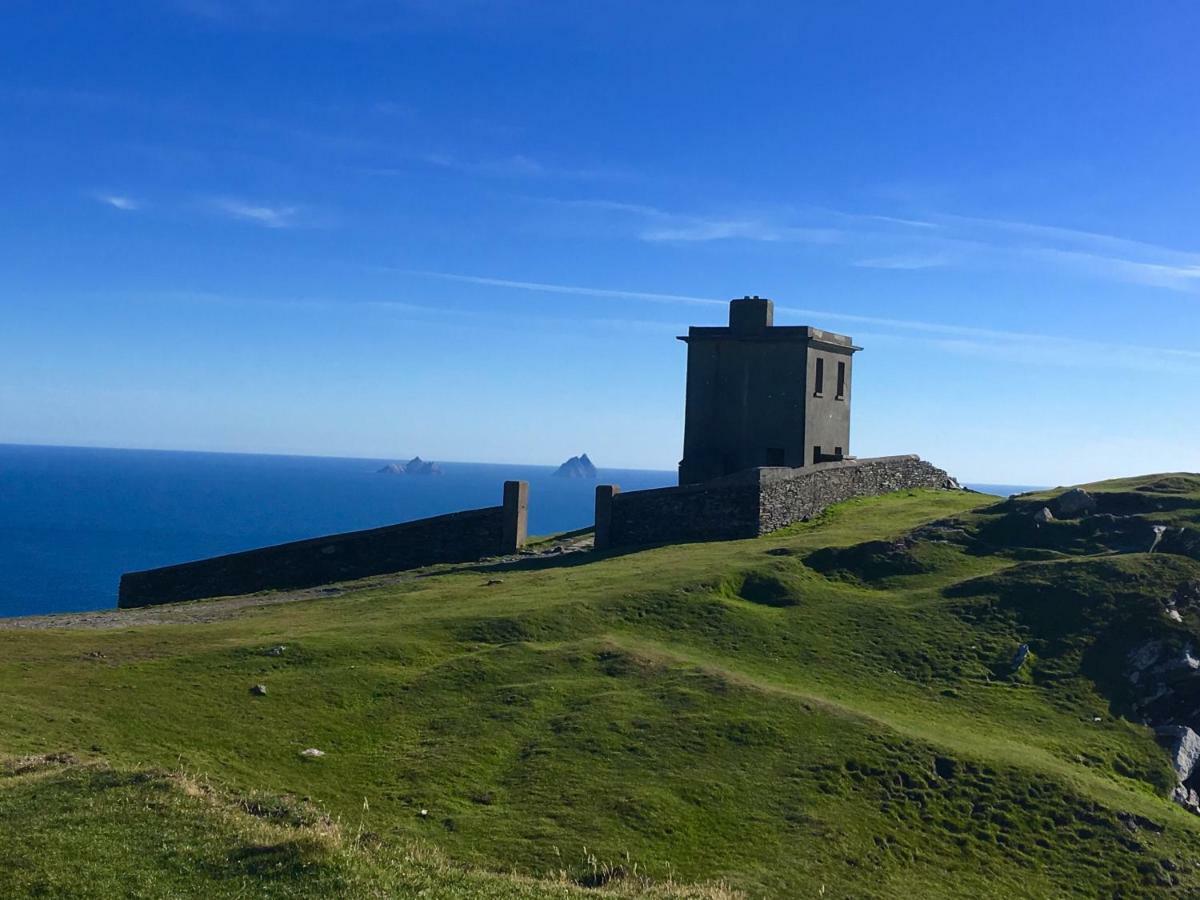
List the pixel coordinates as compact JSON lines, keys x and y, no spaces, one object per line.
{"x":73,"y":519}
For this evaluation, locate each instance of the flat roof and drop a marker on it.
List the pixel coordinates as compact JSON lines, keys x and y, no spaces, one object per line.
{"x":797,"y":333}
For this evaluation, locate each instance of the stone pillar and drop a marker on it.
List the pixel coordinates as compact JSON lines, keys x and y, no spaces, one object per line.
{"x":604,"y":504}
{"x":516,"y":516}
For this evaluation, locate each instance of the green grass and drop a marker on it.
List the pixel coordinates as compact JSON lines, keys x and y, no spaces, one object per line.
{"x":821,"y":712}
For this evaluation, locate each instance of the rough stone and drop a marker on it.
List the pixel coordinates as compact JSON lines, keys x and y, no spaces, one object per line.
{"x":312,"y":752}
{"x":1187,"y":594}
{"x":1074,"y":503}
{"x":758,"y":501}
{"x":1043,"y":515}
{"x":1020,"y":656}
{"x":259,"y":690}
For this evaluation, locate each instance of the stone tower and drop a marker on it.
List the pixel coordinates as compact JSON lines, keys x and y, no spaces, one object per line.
{"x":761,"y":395}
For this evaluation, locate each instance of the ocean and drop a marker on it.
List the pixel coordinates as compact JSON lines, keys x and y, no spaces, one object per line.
{"x":73,"y":519}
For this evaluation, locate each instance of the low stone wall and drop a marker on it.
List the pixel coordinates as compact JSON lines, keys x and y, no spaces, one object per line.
{"x":793,"y":495}
{"x":753,"y":502}
{"x":457,"y":537}
{"x":710,"y":511}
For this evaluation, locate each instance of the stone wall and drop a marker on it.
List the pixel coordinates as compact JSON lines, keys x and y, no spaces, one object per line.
{"x":725,"y":509}
{"x":793,"y":495}
{"x":457,"y":537}
{"x":756,"y":501}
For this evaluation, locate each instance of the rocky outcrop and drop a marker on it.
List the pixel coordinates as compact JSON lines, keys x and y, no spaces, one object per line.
{"x":1164,"y":675}
{"x":415,"y":466}
{"x":1073,"y":504}
{"x":576,"y":467}
{"x":1184,"y":746}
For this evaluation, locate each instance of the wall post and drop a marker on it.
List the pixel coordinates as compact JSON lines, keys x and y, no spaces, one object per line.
{"x":604,"y":504}
{"x":516,"y":516}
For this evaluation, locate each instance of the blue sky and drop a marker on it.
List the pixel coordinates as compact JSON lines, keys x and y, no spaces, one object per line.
{"x":472,"y":230}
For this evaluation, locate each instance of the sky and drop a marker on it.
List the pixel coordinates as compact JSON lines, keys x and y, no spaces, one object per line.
{"x":472,"y":230}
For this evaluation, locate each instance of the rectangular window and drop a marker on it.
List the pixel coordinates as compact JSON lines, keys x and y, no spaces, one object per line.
{"x":837,"y":451}
{"x":775,"y":456}
{"x":816,"y":454}
{"x":820,"y":386}
{"x":841,"y":393}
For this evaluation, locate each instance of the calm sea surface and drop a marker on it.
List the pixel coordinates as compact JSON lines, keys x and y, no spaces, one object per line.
{"x":73,"y":519}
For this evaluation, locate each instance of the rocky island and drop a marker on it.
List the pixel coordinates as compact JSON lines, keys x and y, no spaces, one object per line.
{"x":576,"y":467}
{"x":415,"y":466}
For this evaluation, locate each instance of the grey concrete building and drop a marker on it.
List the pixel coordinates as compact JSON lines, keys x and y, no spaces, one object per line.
{"x":764,"y":395}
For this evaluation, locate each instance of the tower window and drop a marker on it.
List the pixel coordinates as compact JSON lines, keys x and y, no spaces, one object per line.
{"x":820,"y":385}
{"x":841,"y":384}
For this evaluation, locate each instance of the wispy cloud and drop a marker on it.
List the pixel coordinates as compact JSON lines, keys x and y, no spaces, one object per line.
{"x":937,"y":240}
{"x":657,"y":225}
{"x":119,"y":201}
{"x":543,"y":287}
{"x":1032,"y":347}
{"x":914,"y":261}
{"x":258,"y":214}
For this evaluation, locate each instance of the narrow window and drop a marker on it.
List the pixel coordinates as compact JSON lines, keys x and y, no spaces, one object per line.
{"x":775,"y":456}
{"x":820,"y":388}
{"x":841,"y":393}
{"x":817,"y":454}
{"x":837,"y":451}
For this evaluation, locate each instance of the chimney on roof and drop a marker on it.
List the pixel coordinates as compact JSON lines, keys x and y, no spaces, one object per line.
{"x":751,"y":314}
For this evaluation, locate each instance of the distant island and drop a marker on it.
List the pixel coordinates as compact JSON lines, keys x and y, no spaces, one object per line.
{"x":415,"y":466}
{"x":577,"y":467}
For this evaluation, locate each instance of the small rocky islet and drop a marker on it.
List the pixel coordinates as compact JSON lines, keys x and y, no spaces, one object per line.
{"x":576,"y":467}
{"x":415,"y":466}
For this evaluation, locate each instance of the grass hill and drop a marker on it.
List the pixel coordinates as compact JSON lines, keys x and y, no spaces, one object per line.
{"x":830,"y":711}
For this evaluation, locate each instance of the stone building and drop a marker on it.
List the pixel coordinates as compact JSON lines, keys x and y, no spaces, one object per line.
{"x":764,"y":395}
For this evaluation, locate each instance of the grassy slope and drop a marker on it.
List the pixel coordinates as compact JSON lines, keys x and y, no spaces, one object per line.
{"x":719,"y":711}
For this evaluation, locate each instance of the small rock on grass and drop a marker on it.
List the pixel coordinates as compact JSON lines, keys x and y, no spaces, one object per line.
{"x":312,"y":752}
{"x":259,"y":690}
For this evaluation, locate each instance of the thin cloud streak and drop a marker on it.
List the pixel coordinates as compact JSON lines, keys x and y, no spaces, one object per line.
{"x":119,"y":201}
{"x":564,"y":288}
{"x":984,"y":338}
{"x":939,"y":240}
{"x":266,"y":216}
{"x":905,"y":263}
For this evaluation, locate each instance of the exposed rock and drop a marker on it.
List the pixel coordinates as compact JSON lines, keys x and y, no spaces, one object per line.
{"x":1019,"y":657}
{"x":576,"y":467}
{"x":1187,"y":594}
{"x":1159,"y":531}
{"x":259,"y":690}
{"x":1187,"y":798}
{"x":415,"y":466}
{"x":1184,"y":746}
{"x":1145,"y":655}
{"x":277,"y":650}
{"x":1074,"y":503}
{"x":312,"y":752}
{"x":1043,"y":515}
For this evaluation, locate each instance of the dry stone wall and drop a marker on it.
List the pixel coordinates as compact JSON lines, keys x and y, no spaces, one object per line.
{"x":757,"y":501}
{"x":793,"y":495}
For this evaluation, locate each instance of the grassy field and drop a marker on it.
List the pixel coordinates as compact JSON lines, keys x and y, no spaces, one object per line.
{"x":824,"y":712}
